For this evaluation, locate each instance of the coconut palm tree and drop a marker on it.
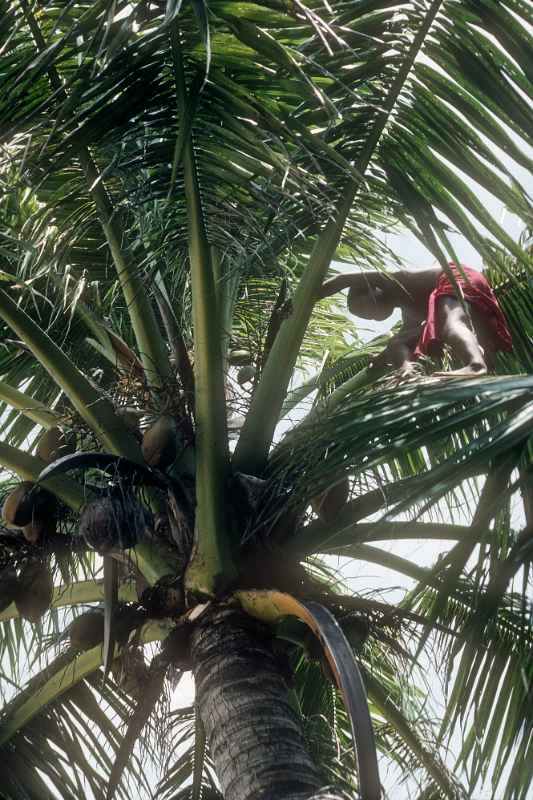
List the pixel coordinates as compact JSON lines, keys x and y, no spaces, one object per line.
{"x":176,"y":180}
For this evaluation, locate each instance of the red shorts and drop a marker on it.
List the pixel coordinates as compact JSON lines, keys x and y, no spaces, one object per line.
{"x":477,"y":291}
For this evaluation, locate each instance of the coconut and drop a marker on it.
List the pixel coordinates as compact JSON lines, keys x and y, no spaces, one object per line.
{"x":87,"y":630}
{"x":8,"y":587}
{"x":115,"y":521}
{"x":246,"y":374}
{"x":55,"y":444}
{"x":26,"y":504}
{"x":35,"y":591}
{"x":328,"y":504}
{"x":239,"y":358}
{"x":160,"y":443}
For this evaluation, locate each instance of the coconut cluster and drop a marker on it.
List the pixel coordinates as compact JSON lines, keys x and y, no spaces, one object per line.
{"x":115,"y":521}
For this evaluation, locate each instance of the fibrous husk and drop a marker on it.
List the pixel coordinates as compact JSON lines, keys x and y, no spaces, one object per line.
{"x":165,"y":598}
{"x":116,"y":521}
{"x":8,"y":587}
{"x":27,"y":503}
{"x":55,"y":444}
{"x":160,"y":443}
{"x":239,"y":358}
{"x":35,"y":591}
{"x":87,"y":630}
{"x":328,"y":504}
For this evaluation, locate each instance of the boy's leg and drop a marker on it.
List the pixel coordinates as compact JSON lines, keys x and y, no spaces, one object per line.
{"x":454,"y":330}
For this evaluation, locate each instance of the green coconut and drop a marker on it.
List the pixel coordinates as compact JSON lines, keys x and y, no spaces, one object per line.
{"x":160,"y":443}
{"x":35,"y":591}
{"x":27,"y":503}
{"x":114,"y":521}
{"x":55,"y":444}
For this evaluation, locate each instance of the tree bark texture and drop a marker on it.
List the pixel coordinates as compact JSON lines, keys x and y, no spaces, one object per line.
{"x":255,"y":736}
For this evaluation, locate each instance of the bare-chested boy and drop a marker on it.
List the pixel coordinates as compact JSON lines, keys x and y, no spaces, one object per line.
{"x":432,"y":315}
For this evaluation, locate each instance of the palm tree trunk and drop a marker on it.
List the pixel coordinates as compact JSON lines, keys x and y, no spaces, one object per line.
{"x":255,"y":736}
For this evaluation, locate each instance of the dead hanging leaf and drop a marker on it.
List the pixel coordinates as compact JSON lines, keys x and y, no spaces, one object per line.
{"x":270,"y":607}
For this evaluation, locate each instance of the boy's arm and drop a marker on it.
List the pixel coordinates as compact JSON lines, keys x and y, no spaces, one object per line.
{"x":335,"y":285}
{"x":415,"y":283}
{"x":353,"y":280}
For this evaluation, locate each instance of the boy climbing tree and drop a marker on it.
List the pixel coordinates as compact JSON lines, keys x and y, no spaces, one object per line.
{"x":432,"y":315}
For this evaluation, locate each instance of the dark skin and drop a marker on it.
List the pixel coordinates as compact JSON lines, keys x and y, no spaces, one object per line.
{"x":375,"y":296}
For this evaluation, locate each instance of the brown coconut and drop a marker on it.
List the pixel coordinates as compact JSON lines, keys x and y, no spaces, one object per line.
{"x":35,"y":591}
{"x":160,"y":442}
{"x":27,"y":503}
{"x":8,"y":587}
{"x":328,"y":504}
{"x":87,"y":630}
{"x":114,"y":521}
{"x":55,"y":444}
